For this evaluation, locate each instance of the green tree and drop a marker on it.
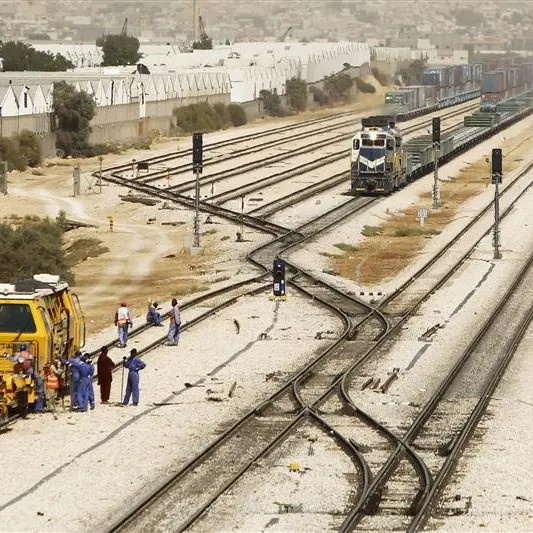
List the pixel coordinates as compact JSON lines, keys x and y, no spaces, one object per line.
{"x":297,"y":94}
{"x":120,"y":50}
{"x":18,"y":56}
{"x":10,"y":153}
{"x":32,"y":248}
{"x":338,"y":86}
{"x":73,"y":111}
{"x":205,"y":43}
{"x":412,"y":73}
{"x":30,"y":147}
{"x":272,"y":103}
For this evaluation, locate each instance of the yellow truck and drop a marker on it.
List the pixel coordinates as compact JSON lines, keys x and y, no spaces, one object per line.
{"x":40,"y":321}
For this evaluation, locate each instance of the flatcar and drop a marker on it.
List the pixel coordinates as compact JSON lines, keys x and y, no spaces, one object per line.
{"x":40,"y":321}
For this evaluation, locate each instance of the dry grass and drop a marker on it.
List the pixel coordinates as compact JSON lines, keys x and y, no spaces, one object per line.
{"x":389,"y":248}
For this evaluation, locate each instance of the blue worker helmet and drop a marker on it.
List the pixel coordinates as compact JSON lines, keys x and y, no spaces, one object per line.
{"x":23,"y":347}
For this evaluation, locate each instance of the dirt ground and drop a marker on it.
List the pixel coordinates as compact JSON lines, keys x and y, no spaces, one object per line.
{"x":391,"y":246}
{"x":141,"y":259}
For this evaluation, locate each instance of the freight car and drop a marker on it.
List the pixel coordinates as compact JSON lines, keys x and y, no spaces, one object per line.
{"x":441,"y":87}
{"x":40,"y":320}
{"x":374,"y":172}
{"x":504,"y":83}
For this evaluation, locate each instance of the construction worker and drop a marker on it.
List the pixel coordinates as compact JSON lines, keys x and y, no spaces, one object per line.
{"x":86,"y":372}
{"x":173,"y":337}
{"x":105,"y":374}
{"x":90,"y":388}
{"x":74,"y":379}
{"x":52,"y":375}
{"x":123,"y":321}
{"x":152,"y":316}
{"x":133,"y":364}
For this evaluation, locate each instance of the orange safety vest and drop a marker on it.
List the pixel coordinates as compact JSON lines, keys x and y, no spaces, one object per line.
{"x":52,"y":380}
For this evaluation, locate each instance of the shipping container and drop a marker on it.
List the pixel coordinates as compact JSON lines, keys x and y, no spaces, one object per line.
{"x":493,"y":82}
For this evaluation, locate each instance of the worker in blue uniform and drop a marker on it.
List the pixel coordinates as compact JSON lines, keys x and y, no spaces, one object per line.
{"x":74,"y":380}
{"x":89,"y":384}
{"x":134,"y":365}
{"x":85,"y":372}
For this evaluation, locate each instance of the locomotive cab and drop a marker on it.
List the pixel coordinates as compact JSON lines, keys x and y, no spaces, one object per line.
{"x":376,"y":157}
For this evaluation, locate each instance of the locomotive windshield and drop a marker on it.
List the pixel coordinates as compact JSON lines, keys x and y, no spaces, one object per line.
{"x":16,"y":318}
{"x":375,"y":142}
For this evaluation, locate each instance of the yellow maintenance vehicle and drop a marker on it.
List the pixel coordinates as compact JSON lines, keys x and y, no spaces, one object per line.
{"x":40,"y":321}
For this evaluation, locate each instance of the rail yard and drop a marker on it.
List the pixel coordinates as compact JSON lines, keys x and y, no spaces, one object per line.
{"x":349,"y":406}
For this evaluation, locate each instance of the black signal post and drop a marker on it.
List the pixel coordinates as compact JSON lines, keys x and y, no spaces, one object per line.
{"x":497,"y":172}
{"x":436,"y":150}
{"x":278,"y":284}
{"x":197,"y":167}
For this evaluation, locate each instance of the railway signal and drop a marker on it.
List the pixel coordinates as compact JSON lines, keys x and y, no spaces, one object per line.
{"x":278,"y":285}
{"x":436,"y":150}
{"x":497,"y":170}
{"x":197,"y":167}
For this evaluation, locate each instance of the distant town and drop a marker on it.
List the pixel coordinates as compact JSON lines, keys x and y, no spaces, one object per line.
{"x":447,"y":24}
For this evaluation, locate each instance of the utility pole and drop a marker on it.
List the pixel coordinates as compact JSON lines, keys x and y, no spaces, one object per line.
{"x":436,"y":150}
{"x":496,"y":180}
{"x":193,"y":21}
{"x":76,"y":181}
{"x":100,"y":158}
{"x":197,"y":166}
{"x":3,"y":177}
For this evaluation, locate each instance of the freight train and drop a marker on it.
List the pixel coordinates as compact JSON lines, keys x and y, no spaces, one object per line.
{"x":40,"y":321}
{"x":381,"y":161}
{"x":378,"y":159}
{"x":504,"y":83}
{"x":441,"y":87}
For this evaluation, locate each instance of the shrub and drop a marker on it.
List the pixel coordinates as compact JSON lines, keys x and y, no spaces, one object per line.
{"x":30,"y":148}
{"x":319,"y":96}
{"x":363,"y":86}
{"x":237,"y":114}
{"x":346,"y":247}
{"x":414,"y":232}
{"x":338,"y":86}
{"x":272,"y":103}
{"x":199,"y":118}
{"x":296,"y":90}
{"x":10,"y":153}
{"x":371,"y":231}
{"x":380,"y":76}
{"x":31,"y":248}
{"x":222,"y":111}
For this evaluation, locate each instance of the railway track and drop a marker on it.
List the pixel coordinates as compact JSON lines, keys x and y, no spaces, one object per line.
{"x":210,"y":180}
{"x":311,"y":385}
{"x":356,"y":320}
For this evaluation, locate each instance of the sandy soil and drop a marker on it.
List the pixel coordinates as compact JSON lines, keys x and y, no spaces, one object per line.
{"x":141,"y":259}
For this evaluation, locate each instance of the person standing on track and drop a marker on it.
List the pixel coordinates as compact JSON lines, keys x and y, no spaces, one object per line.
{"x":133,"y":364}
{"x":123,"y":321}
{"x":105,"y":374}
{"x":173,"y":337}
{"x":74,"y":379}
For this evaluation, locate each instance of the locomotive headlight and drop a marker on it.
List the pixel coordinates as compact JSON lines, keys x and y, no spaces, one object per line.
{"x":373,"y":136}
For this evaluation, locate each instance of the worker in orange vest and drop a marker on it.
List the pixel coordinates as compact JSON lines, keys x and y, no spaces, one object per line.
{"x":52,"y":383}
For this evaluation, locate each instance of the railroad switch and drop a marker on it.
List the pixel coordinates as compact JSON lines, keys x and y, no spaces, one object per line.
{"x":294,"y":467}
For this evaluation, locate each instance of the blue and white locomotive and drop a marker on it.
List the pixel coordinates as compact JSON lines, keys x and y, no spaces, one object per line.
{"x":377,"y":157}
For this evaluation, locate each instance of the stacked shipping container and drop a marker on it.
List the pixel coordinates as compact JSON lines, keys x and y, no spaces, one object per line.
{"x":502,"y":83}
